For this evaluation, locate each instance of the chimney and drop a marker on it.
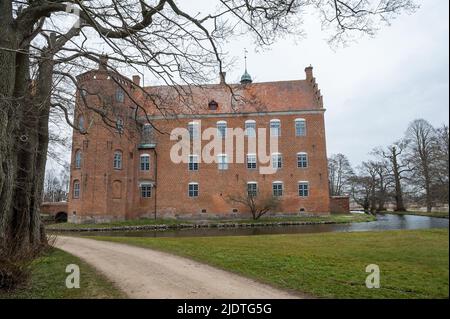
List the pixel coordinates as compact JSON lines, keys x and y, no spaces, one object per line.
{"x":103,"y":62}
{"x":222,"y":77}
{"x":136,"y":79}
{"x":309,"y":72}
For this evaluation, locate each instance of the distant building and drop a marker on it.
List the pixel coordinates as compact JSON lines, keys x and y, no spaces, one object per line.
{"x":123,"y":169}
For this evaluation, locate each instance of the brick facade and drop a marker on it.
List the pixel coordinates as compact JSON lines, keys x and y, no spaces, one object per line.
{"x":105,"y":193}
{"x":340,"y":204}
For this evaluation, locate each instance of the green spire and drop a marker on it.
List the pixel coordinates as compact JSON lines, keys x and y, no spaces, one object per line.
{"x":246,"y":78}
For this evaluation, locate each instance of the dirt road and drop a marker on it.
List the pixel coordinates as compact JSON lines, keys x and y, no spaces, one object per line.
{"x":146,"y":273}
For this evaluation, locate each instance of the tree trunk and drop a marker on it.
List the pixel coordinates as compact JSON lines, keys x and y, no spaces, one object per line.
{"x":24,"y":116}
{"x":399,"y":204}
{"x":426,"y":173}
{"x":7,"y":126}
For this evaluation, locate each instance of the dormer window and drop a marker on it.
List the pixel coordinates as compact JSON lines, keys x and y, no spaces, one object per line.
{"x":213,"y":105}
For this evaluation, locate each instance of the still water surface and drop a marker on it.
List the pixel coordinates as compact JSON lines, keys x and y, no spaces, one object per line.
{"x":384,"y":222}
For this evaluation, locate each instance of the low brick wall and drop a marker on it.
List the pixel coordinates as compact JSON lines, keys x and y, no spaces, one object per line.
{"x":55,"y":210}
{"x":340,"y":204}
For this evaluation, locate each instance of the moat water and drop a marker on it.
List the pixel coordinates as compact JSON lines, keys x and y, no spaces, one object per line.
{"x":383,"y":222}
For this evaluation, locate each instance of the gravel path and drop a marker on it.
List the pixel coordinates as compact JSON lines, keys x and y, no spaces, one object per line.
{"x":146,"y":273}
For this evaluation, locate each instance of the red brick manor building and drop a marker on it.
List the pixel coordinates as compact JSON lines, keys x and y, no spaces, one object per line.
{"x":123,"y":163}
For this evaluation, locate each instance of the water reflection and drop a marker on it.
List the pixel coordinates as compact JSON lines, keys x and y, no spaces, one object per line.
{"x":384,"y":222}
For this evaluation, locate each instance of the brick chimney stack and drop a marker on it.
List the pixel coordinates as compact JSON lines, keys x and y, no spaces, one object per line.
{"x":309,"y":72}
{"x":102,"y":66}
{"x":223,"y":77}
{"x":136,"y":79}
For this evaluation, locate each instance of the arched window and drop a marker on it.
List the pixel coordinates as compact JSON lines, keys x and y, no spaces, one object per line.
{"x":213,"y":105}
{"x":277,"y":188}
{"x":84,"y":92}
{"x":222,"y":160}
{"x":145,"y":162}
{"x":193,"y":189}
{"x":251,"y":161}
{"x":76,"y":189}
{"x":78,"y":159}
{"x":81,"y":126}
{"x":193,"y":163}
{"x":194,"y":131}
{"x":277,"y":160}
{"x":275,"y":128}
{"x":303,"y":189}
{"x":120,"y":125}
{"x":300,"y":127}
{"x":250,"y":128}
{"x":117,"y":162}
{"x":252,"y":189}
{"x":146,"y":190}
{"x":147,"y":130}
{"x":221,"y":129}
{"x":120,"y":95}
{"x":302,"y":160}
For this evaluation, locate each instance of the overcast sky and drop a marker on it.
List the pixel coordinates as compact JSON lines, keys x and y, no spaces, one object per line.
{"x":374,"y":88}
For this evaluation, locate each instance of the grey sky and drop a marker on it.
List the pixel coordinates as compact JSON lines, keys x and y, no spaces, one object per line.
{"x":372,"y":89}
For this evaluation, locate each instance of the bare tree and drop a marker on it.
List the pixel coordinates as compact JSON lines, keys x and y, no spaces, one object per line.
{"x":397,"y":169}
{"x":421,"y":138}
{"x":258,"y":204}
{"x":340,"y":173}
{"x":370,"y":186}
{"x":40,"y":55}
{"x":361,"y":191}
{"x":441,"y":190}
{"x":56,"y":185}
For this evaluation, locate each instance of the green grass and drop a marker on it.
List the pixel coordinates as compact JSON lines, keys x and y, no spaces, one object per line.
{"x":413,"y":264}
{"x":133,"y":222}
{"x":335,"y":218}
{"x":431,"y":214}
{"x":48,"y":278}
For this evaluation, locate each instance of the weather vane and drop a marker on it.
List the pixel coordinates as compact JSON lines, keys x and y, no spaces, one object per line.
{"x":245,"y":58}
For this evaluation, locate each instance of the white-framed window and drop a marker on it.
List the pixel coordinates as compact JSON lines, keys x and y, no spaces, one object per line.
{"x":221,"y":129}
{"x":303,"y":189}
{"x":147,"y":130}
{"x":222,"y":160}
{"x":300,"y":127}
{"x":120,"y":95}
{"x":251,"y":161}
{"x":193,"y":128}
{"x":117,"y":162}
{"x":78,"y":157}
{"x":193,"y":163}
{"x":277,"y":189}
{"x":120,"y":124}
{"x":275,"y":128}
{"x":250,"y":128}
{"x":81,"y":125}
{"x":146,"y":190}
{"x":76,"y":189}
{"x":145,"y":162}
{"x":252,"y":189}
{"x":302,"y":160}
{"x":193,"y":190}
{"x":277,"y":160}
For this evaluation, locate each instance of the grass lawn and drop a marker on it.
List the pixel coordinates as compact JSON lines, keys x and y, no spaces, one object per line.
{"x":48,"y":278}
{"x":413,"y":264}
{"x":335,"y":218}
{"x":432,"y":214}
